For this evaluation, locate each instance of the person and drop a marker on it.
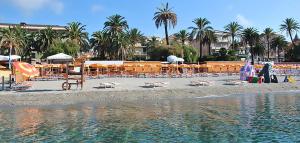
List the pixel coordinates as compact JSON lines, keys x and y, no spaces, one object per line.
{"x":274,"y":79}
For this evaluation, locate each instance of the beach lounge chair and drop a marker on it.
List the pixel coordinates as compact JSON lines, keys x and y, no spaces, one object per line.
{"x":200,"y":83}
{"x":108,"y":85}
{"x":235,"y":82}
{"x":156,"y":84}
{"x":21,"y":86}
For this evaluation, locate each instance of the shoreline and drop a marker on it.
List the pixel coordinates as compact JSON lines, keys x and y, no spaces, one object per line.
{"x":109,"y":97}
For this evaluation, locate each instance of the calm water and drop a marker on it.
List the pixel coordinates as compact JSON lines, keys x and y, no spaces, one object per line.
{"x":246,"y":118}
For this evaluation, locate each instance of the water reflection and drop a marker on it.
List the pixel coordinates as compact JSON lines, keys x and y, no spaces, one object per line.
{"x":245,"y":118}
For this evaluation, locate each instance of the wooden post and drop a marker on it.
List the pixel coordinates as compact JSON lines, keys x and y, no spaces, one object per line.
{"x":82,"y":74}
{"x":67,"y":72}
{"x":10,"y":81}
{"x":2,"y":82}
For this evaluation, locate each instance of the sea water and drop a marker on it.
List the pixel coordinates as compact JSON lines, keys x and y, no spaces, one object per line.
{"x":236,"y":118}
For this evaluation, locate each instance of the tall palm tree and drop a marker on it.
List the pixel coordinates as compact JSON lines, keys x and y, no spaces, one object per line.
{"x":115,"y":27}
{"x":164,"y":15}
{"x":199,"y":31}
{"x":11,"y":38}
{"x":46,"y":37}
{"x":182,"y":36}
{"x":250,"y":36}
{"x":234,"y":29}
{"x":210,"y":37}
{"x":268,"y":34}
{"x":278,"y":43}
{"x":290,"y":26}
{"x":76,"y":32}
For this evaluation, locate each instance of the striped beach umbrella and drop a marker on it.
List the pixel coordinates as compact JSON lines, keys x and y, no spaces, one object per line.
{"x":26,"y":69}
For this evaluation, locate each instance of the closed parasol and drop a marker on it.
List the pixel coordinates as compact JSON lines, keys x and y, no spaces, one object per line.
{"x":26,"y":69}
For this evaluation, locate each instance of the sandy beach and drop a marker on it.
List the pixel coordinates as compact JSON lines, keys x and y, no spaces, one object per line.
{"x":47,"y":93}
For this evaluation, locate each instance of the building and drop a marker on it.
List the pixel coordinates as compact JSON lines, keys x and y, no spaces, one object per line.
{"x":223,"y":41}
{"x":33,"y":27}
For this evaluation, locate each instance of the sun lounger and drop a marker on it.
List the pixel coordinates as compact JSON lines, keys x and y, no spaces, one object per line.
{"x":21,"y":87}
{"x":235,"y":82}
{"x":156,"y":84}
{"x":108,"y":85}
{"x":200,"y":83}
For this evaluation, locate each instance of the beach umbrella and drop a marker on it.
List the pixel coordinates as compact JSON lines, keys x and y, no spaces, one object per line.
{"x":172,"y":59}
{"x":26,"y":69}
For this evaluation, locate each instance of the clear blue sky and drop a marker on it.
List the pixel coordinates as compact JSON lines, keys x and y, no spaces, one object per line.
{"x":139,"y":13}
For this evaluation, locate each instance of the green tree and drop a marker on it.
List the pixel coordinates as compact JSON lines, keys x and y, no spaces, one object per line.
{"x":268,"y":34}
{"x":210,"y":37}
{"x":199,"y":31}
{"x":258,"y":49}
{"x":165,"y":16}
{"x":250,"y":35}
{"x":290,"y":26}
{"x":13,"y":39}
{"x":190,"y":54}
{"x":99,"y":42}
{"x":59,"y":46}
{"x":134,"y":37}
{"x":182,"y":36}
{"x":115,"y":28}
{"x":76,"y":33}
{"x":278,"y":43}
{"x":234,"y":29}
{"x":45,"y":39}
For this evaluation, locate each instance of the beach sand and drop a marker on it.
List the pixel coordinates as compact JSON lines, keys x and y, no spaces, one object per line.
{"x":49,"y":93}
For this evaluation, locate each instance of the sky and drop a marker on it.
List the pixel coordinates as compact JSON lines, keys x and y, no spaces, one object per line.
{"x":139,"y":13}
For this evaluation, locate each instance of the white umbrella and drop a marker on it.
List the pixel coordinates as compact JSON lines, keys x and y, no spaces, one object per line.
{"x":6,"y":58}
{"x":172,"y":59}
{"x":180,"y":60}
{"x":60,"y":56}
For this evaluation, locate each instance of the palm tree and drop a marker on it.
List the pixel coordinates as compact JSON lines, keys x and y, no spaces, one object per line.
{"x":45,"y":38}
{"x":279,"y":43}
{"x":250,"y":36}
{"x":12,"y":39}
{"x":115,"y":27}
{"x":99,"y":42}
{"x":290,"y":26}
{"x":182,"y":36}
{"x":268,"y":34}
{"x":135,"y":36}
{"x":198,"y":32}
{"x":167,"y":17}
{"x":76,"y":32}
{"x":234,"y":30}
{"x":152,"y":42}
{"x":210,"y":37}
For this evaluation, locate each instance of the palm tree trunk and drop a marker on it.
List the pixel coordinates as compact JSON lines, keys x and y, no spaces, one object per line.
{"x":278,"y":54}
{"x":252,"y":55}
{"x":290,"y":33}
{"x":268,"y":40}
{"x":200,"y":50}
{"x":209,"y":48}
{"x":9,"y":58}
{"x":166,"y":32}
{"x":232,"y":42}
